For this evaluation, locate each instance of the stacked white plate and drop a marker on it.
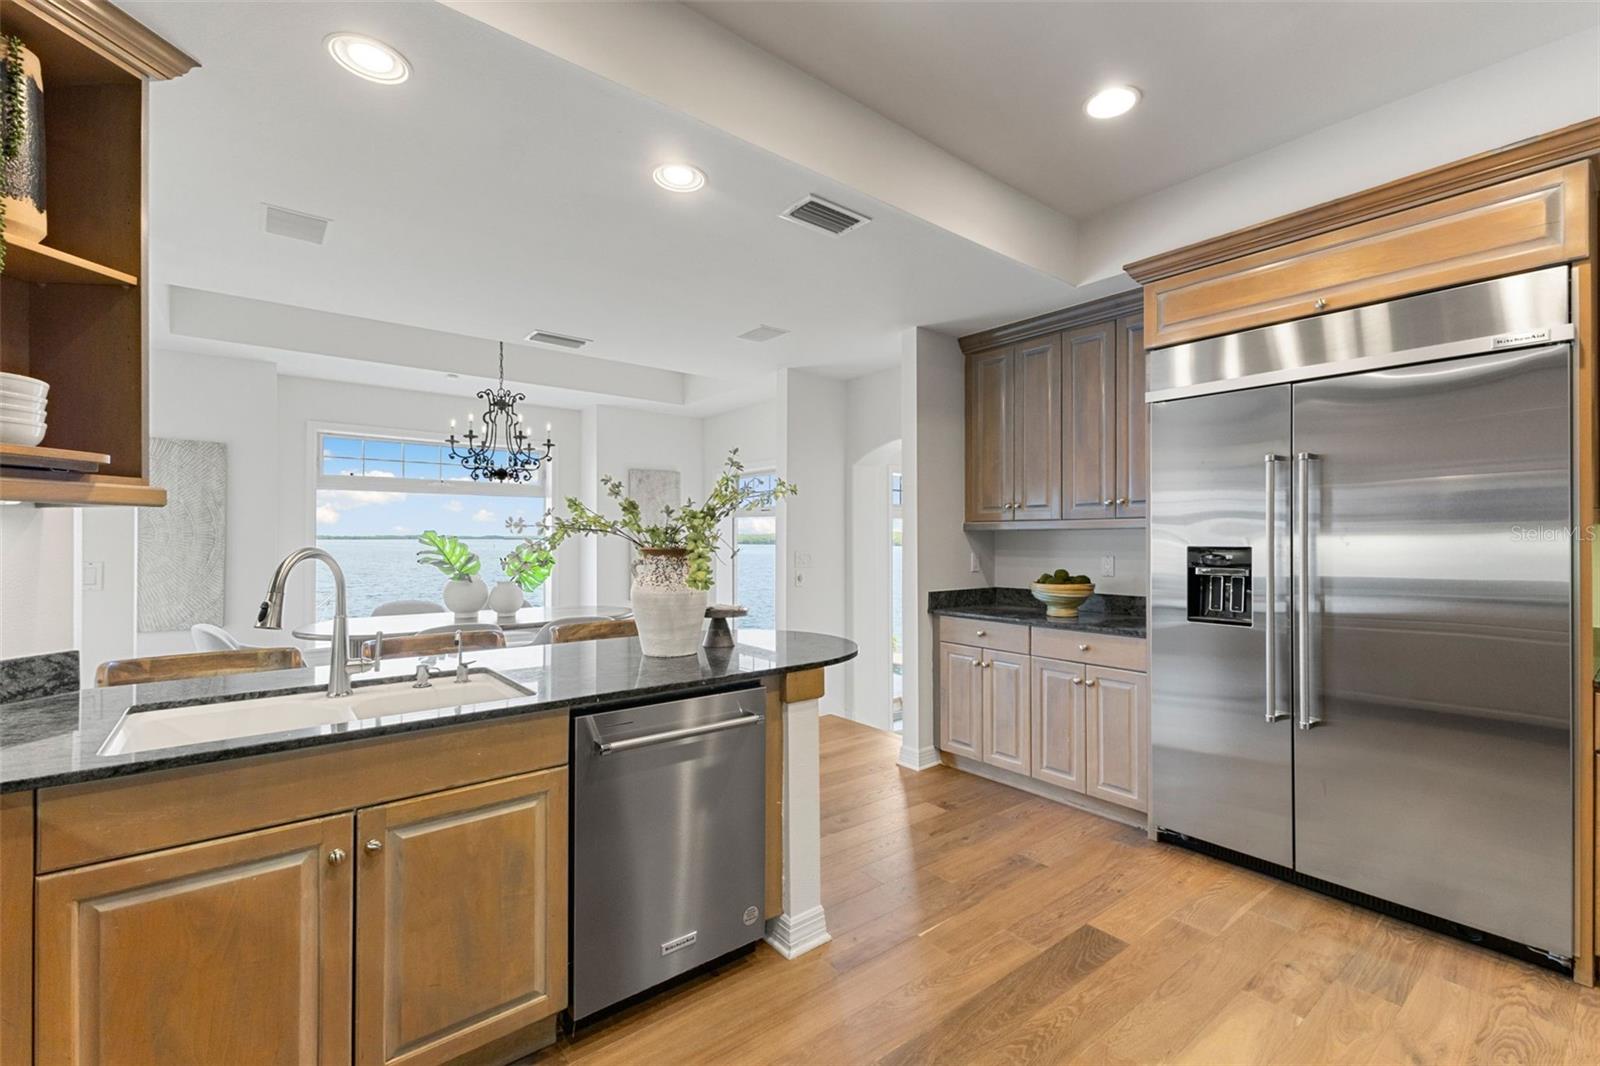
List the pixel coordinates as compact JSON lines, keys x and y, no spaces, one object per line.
{"x":22,"y":404}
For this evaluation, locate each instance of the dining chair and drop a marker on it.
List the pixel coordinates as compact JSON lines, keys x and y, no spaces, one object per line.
{"x":147,"y":668}
{"x":435,"y":642}
{"x":567,"y":631}
{"x":207,"y":637}
{"x":407,"y":607}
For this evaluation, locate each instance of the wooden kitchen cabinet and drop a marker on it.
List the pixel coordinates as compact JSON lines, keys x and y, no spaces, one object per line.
{"x":461,"y":934}
{"x":1133,"y":421}
{"x":991,"y":436}
{"x":1007,"y":711}
{"x":1036,"y":449}
{"x":233,"y":950}
{"x":1058,"y":724}
{"x":1090,"y":393}
{"x":961,"y":700}
{"x":1117,"y":728}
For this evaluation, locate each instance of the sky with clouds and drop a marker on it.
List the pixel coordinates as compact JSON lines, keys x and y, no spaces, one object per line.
{"x":362,"y":513}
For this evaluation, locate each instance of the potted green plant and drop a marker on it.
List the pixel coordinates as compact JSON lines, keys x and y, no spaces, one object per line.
{"x":526,"y":567}
{"x":673,"y":571}
{"x":464,"y":592}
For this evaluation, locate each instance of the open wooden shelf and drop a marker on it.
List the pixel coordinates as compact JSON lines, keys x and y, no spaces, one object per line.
{"x":79,"y":490}
{"x":40,"y":263}
{"x":64,"y":459}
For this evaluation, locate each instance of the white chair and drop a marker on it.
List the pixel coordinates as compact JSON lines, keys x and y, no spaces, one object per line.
{"x":407,"y":607}
{"x":207,"y":637}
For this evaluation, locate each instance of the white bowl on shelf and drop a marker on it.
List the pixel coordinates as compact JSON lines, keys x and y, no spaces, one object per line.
{"x":18,"y":409}
{"x":23,"y":385}
{"x":24,"y":433}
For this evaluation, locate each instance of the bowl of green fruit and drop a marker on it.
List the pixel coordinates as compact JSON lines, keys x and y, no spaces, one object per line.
{"x":1062,"y":593}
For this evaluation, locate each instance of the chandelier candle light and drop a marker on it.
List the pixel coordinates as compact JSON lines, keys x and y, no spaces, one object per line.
{"x":499,"y":448}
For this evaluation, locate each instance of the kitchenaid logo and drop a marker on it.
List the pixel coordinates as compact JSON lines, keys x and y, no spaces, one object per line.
{"x":1527,"y":336}
{"x":678,"y":943}
{"x":1523,"y":534}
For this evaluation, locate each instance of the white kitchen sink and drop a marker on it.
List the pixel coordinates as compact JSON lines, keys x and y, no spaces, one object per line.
{"x":171,"y":727}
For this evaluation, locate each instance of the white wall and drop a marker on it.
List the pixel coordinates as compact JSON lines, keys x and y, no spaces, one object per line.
{"x":38,"y":580}
{"x":936,"y":551}
{"x":754,"y":431}
{"x":872,"y":451}
{"x":1020,"y":557}
{"x":811,"y":524}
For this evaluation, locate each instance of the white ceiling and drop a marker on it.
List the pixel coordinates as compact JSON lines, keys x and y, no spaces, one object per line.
{"x":1002,"y":85}
{"x":501,"y":189}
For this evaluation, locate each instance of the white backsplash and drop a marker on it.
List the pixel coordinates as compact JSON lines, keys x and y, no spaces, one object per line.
{"x":1022,"y":556}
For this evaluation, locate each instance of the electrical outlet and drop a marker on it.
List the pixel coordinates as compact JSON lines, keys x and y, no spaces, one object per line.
{"x":972,"y":563}
{"x":1108,"y":566}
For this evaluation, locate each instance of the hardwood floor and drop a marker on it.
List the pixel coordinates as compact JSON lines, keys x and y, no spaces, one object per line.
{"x":973,"y":923}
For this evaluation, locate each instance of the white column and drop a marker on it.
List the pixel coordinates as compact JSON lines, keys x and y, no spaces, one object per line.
{"x":801,"y":926}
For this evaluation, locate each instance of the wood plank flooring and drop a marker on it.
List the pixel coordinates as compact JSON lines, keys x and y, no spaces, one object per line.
{"x":973,"y":923}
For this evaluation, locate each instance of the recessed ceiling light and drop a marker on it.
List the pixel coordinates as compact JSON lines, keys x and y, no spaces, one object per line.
{"x":679,"y":177}
{"x":368,"y":58}
{"x":1111,"y":102}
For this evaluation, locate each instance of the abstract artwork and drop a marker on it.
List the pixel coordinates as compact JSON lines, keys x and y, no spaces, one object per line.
{"x":655,"y":490}
{"x":182,"y":545}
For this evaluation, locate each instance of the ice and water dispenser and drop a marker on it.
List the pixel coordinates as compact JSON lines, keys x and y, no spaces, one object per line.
{"x":1219,"y":586}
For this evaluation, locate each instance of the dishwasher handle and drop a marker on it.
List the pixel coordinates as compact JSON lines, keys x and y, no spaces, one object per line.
{"x":606,"y":747}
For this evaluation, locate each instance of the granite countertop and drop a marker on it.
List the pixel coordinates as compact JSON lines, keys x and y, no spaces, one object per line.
{"x":56,"y":740}
{"x":1120,"y":616}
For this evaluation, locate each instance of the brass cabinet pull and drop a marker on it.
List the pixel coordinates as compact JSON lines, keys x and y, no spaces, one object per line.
{"x":374,"y":845}
{"x":336,"y":856}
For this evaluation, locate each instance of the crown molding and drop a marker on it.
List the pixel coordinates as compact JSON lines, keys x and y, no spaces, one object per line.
{"x":115,"y":34}
{"x":1084,"y":314}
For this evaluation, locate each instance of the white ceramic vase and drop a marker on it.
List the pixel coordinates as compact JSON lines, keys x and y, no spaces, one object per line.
{"x":465,"y":597}
{"x":505,"y":600}
{"x":670,"y":615}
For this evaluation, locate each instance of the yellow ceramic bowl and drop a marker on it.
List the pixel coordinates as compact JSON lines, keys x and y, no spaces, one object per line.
{"x":1062,"y":601}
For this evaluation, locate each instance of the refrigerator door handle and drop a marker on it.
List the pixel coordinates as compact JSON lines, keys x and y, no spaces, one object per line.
{"x":1269,"y":573}
{"x":1305,"y":691}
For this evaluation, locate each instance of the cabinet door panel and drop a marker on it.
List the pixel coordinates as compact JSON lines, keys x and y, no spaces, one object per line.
{"x":1133,"y":423}
{"x":1118,"y":736}
{"x":960,"y":701}
{"x":1058,"y":723}
{"x":1089,"y":461}
{"x":1036,"y":460}
{"x":235,"y":950}
{"x":462,"y":919}
{"x":990,"y":436}
{"x":1007,"y":721}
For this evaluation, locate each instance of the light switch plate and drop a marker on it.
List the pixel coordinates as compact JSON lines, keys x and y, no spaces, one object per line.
{"x":94,"y":577}
{"x":802,"y":559}
{"x":1108,"y":566}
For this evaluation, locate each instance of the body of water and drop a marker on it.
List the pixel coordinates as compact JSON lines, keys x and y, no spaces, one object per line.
{"x":377,"y":571}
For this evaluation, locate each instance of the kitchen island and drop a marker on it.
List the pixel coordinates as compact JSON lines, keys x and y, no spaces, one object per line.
{"x":388,"y":889}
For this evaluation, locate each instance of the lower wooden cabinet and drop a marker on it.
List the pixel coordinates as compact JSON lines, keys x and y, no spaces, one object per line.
{"x":1058,"y":724}
{"x":961,"y":700}
{"x":235,"y":950}
{"x":1117,"y":715}
{"x":461,"y":929}
{"x":1007,"y":711}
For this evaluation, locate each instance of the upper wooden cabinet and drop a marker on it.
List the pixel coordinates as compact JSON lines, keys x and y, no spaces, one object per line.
{"x":1516,"y":225}
{"x":74,"y":306}
{"x":1056,"y":426}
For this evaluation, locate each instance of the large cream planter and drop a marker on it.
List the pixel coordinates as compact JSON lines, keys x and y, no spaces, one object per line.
{"x":669,"y":614}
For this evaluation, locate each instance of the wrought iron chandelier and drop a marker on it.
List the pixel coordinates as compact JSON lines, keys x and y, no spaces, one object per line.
{"x":495,"y":446}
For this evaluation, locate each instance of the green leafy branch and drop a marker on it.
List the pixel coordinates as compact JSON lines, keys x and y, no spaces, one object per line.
{"x":529,"y":564}
{"x":449,"y":556}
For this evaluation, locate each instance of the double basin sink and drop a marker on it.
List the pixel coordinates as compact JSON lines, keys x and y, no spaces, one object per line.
{"x":172,"y":727}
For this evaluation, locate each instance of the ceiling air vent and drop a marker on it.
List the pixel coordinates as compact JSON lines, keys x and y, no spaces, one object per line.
{"x":830,"y":218}
{"x":762,"y":333}
{"x":558,"y":340}
{"x":283,"y":222}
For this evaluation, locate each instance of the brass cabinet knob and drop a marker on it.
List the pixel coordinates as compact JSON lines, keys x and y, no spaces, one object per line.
{"x":1105,"y":503}
{"x":1122,"y":502}
{"x":1077,"y":681}
{"x":1083,"y":647}
{"x":374,"y":845}
{"x":1321,"y":303}
{"x":983,"y":632}
{"x":1089,"y":683}
{"x":336,"y":856}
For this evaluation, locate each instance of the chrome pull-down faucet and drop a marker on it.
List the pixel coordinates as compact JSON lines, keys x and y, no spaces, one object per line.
{"x":271,"y":617}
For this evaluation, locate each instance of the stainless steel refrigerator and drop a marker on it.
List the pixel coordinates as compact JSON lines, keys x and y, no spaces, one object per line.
{"x":1361,"y":577}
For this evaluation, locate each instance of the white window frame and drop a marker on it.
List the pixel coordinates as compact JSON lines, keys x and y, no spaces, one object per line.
{"x":318,"y":481}
{"x":733,"y":541}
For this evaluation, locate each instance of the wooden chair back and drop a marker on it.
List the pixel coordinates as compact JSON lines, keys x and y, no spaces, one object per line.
{"x":434,"y":643}
{"x":568,"y":632}
{"x":148,"y":668}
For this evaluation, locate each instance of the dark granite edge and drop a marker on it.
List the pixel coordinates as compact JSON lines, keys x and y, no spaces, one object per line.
{"x":290,"y":740}
{"x":36,"y":676}
{"x":1111,"y":614}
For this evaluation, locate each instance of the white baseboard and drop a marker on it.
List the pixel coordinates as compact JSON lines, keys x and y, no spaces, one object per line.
{"x":793,"y":935}
{"x":918,"y":759}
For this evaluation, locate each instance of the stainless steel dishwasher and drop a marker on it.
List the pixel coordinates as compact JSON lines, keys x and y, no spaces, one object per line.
{"x":668,"y":841}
